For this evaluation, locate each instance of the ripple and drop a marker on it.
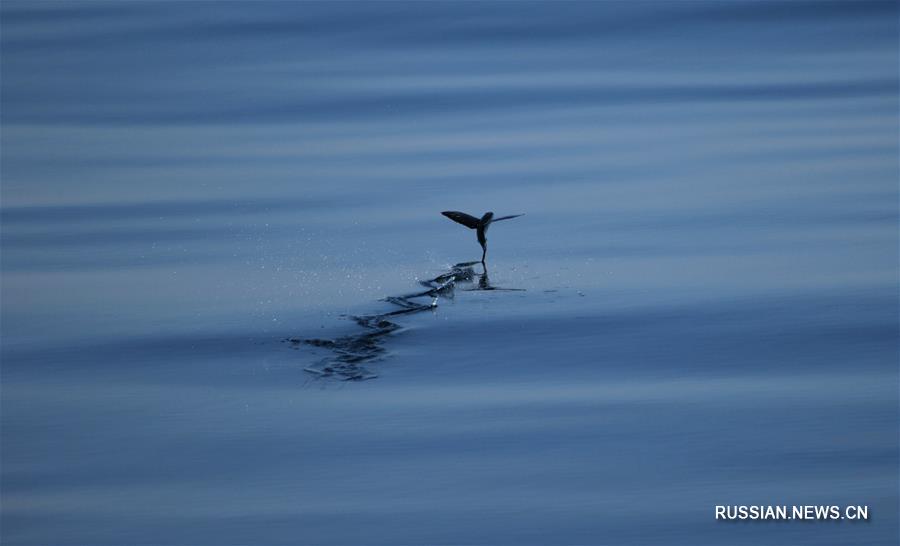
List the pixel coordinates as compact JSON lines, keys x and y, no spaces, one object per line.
{"x":351,"y":353}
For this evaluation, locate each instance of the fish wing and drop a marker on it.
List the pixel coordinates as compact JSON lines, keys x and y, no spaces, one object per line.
{"x":507,"y":217}
{"x":462,"y":218}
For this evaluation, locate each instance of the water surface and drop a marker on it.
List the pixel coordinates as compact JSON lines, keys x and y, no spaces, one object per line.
{"x":707,"y":269}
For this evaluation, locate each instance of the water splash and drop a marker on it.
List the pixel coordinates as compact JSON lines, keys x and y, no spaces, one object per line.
{"x":351,"y":353}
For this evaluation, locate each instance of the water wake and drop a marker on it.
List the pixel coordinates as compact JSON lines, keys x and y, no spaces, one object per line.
{"x":352,"y":352}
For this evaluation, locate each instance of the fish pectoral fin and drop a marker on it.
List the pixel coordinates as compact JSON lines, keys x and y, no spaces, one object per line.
{"x":462,"y":218}
{"x":507,"y":217}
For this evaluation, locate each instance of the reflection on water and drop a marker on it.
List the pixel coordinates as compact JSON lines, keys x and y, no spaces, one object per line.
{"x":699,"y":308}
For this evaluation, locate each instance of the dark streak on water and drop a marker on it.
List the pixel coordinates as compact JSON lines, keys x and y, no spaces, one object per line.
{"x":352,"y":352}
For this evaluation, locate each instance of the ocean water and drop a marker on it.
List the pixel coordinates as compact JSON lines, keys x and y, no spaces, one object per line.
{"x":706,"y":275}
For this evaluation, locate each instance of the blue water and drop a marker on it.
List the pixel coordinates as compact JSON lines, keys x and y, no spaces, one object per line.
{"x":707,"y":265}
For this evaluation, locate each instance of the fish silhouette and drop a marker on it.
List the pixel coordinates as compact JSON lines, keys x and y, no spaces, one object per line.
{"x":481,"y":225}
